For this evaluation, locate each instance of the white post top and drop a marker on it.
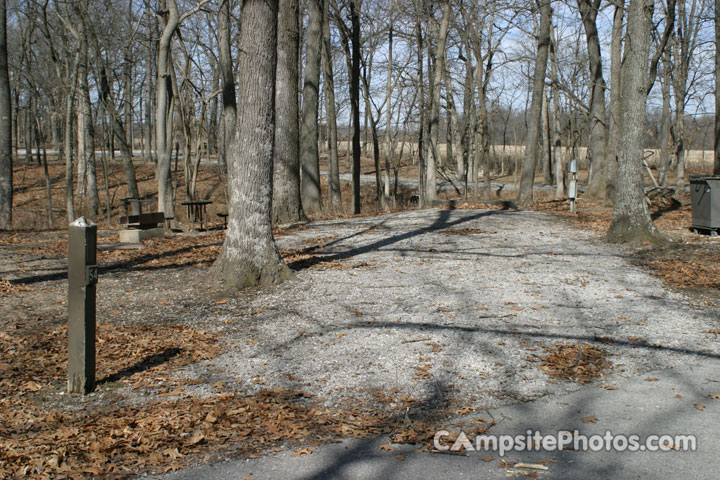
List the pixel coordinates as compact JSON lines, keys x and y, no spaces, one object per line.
{"x":83,"y":223}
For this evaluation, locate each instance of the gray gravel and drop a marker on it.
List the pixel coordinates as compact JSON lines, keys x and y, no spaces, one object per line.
{"x":400,"y":294}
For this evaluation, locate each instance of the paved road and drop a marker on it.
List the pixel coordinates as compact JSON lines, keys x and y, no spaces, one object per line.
{"x":678,"y":402}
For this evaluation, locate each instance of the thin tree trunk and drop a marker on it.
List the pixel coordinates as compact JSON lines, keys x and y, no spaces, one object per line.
{"x":421,"y":100}
{"x":666,"y":140}
{"x":615,"y":111}
{"x":557,"y":130}
{"x":249,"y":255}
{"x":6,"y":160}
{"x":164,"y":108}
{"x":432,"y":157}
{"x":527,"y":181}
{"x":334,"y":192}
{"x":286,"y":167}
{"x":716,"y":168}
{"x":355,"y":103}
{"x":547,"y":143}
{"x":309,"y":155}
{"x":598,"y":127}
{"x":227,"y":77}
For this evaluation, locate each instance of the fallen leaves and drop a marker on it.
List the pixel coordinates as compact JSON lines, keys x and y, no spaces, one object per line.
{"x":581,"y":363}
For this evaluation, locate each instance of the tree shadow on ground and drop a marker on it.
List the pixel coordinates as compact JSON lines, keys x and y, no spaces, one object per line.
{"x":147,"y":363}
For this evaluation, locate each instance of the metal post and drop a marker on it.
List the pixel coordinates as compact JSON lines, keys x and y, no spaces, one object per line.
{"x":82,"y":277}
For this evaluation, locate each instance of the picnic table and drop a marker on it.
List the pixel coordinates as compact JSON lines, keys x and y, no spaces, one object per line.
{"x":131,"y":201}
{"x":140,"y":220}
{"x":197,"y":211}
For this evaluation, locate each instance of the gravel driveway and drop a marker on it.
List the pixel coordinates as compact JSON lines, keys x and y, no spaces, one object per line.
{"x":448,"y":307}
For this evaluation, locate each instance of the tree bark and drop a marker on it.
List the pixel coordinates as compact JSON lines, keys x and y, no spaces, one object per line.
{"x":529,"y":165}
{"x":309,"y":155}
{"x":355,"y":103}
{"x":631,"y":221}
{"x":430,"y":194}
{"x":389,"y":147}
{"x":249,"y":255}
{"x":666,"y":140}
{"x":716,"y":169}
{"x":598,"y":138}
{"x":227,"y":78}
{"x":164,"y":108}
{"x":615,"y":111}
{"x":286,"y":166}
{"x":334,"y":195}
{"x":6,"y":159}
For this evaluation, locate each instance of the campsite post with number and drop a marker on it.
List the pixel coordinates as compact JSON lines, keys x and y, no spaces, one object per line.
{"x":572,"y":190}
{"x":82,"y":278}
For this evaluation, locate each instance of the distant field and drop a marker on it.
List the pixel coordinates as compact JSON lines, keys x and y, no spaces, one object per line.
{"x":700,"y":160}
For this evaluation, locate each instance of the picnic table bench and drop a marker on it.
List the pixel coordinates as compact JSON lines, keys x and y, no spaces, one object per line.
{"x":197,"y":211}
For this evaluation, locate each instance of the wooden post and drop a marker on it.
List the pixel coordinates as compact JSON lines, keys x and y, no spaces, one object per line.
{"x":82,"y":278}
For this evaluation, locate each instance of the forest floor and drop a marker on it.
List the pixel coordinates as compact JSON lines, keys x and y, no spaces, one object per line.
{"x":395,"y":324}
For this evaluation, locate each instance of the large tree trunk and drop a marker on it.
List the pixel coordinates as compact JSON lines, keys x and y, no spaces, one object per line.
{"x":309,"y":155}
{"x":249,"y":255}
{"x":631,"y":221}
{"x":598,"y":127}
{"x":355,"y":103}
{"x":286,"y":166}
{"x":527,"y":180}
{"x":334,"y":195}
{"x":430,"y":194}
{"x":6,"y":165}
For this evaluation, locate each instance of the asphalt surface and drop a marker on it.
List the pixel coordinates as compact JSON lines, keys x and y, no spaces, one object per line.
{"x":679,"y":402}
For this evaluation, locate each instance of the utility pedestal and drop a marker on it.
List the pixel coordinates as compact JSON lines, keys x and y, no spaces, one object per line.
{"x":82,"y":278}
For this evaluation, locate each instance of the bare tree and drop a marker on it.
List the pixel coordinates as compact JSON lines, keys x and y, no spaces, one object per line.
{"x":355,"y":102}
{"x":227,"y":79}
{"x":334,"y":195}
{"x":430,"y":193}
{"x":286,"y":176}
{"x":598,"y":127}
{"x":170,"y":18}
{"x":615,"y":111}
{"x":249,"y":255}
{"x":716,"y":168}
{"x":6,"y":163}
{"x":685,"y":41}
{"x":309,"y":154}
{"x":527,"y":181}
{"x":631,"y":221}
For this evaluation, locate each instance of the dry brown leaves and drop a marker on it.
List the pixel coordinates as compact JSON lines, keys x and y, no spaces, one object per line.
{"x":45,"y":435}
{"x":175,"y":251}
{"x":701,"y":270}
{"x":580,"y":363}
{"x":7,"y":288}
{"x":42,"y":438}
